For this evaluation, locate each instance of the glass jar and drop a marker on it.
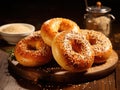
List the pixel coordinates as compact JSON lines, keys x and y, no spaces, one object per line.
{"x":98,"y":18}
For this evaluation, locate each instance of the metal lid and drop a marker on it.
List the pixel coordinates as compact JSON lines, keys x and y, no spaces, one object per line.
{"x":98,"y":8}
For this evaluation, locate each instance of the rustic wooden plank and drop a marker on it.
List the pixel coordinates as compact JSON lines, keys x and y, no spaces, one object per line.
{"x":8,"y":82}
{"x":118,"y":76}
{"x":36,"y":74}
{"x":105,"y":83}
{"x":110,"y":82}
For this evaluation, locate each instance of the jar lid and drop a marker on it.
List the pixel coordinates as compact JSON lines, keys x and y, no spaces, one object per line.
{"x":98,"y":8}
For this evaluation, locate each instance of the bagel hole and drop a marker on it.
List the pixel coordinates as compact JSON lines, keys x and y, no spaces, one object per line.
{"x":31,"y":47}
{"x":77,"y":47}
{"x":60,"y":30}
{"x":92,"y":41}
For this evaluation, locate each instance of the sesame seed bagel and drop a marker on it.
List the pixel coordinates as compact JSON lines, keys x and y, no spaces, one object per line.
{"x":101,"y":45}
{"x":52,"y":27}
{"x":72,"y":51}
{"x":32,"y":51}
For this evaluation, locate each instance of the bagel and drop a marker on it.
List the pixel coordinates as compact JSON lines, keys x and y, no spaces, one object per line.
{"x":100,"y":43}
{"x":72,"y":51}
{"x":31,"y":51}
{"x":52,"y":27}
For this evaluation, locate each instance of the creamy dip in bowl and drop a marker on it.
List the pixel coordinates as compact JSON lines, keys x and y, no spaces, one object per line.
{"x":14,"y":32}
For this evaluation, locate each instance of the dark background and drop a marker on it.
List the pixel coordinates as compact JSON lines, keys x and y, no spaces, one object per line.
{"x":37,"y":11}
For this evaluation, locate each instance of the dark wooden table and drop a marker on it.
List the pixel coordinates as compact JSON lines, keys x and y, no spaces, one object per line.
{"x":36,"y":12}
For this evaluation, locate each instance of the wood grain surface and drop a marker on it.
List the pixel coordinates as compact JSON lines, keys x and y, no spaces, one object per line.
{"x":11,"y":81}
{"x":52,"y":72}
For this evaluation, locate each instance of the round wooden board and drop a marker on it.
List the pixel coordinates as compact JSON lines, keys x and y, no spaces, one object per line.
{"x":52,"y":72}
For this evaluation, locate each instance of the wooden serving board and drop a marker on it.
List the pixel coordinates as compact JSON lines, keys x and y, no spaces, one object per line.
{"x":53,"y":73}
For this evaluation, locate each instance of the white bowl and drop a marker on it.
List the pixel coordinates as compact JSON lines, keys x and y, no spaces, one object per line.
{"x":14,"y":32}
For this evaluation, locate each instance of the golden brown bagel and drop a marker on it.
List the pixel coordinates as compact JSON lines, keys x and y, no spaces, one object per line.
{"x":101,"y":45}
{"x":32,"y":51}
{"x":52,"y":27}
{"x":72,"y":51}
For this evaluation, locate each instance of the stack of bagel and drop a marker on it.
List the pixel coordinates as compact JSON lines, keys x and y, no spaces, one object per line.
{"x":74,"y":49}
